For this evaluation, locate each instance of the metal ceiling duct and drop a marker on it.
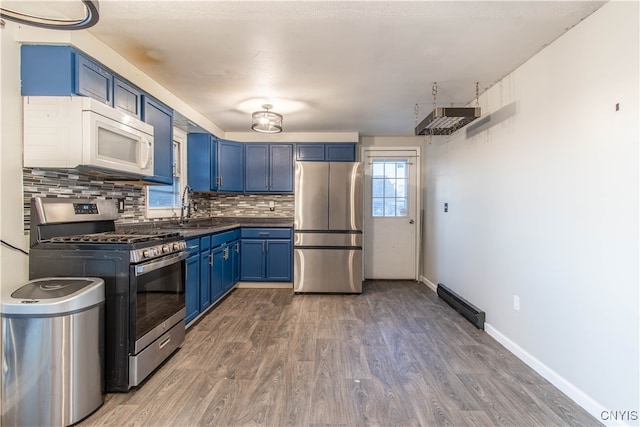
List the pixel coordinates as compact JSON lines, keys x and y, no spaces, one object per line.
{"x":447,"y":120}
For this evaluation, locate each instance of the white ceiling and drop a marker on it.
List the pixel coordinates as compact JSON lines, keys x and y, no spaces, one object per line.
{"x":331,"y":65}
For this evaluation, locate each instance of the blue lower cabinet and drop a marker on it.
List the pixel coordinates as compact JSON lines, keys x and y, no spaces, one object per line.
{"x":278,"y":260}
{"x":235,"y":261}
{"x":266,"y":255}
{"x":205,"y":279}
{"x":217,"y":273}
{"x":212,"y":269}
{"x":192,"y":287}
{"x":252,"y":267}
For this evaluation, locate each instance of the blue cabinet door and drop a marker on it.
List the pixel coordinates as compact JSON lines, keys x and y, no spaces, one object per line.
{"x":235,"y":261}
{"x":202,"y":168}
{"x":202,"y":154}
{"x":227,"y":270}
{"x":310,"y":152}
{"x":278,"y":260}
{"x":340,"y":152}
{"x":205,"y":279}
{"x":160,"y":117}
{"x":252,"y":266}
{"x":256,"y":178}
{"x":281,"y":168}
{"x":231,"y":166}
{"x":217,"y":273}
{"x":127,"y":98}
{"x":192,"y":287}
{"x":94,"y":80}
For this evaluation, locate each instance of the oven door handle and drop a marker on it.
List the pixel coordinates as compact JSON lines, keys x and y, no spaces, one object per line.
{"x":171,"y":259}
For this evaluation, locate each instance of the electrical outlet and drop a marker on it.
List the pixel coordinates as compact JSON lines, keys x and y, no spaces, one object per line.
{"x":446,"y":207}
{"x":272,"y":205}
{"x":516,"y":303}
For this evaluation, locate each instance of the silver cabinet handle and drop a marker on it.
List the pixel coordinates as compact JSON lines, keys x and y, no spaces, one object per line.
{"x":237,"y":247}
{"x":211,"y":260}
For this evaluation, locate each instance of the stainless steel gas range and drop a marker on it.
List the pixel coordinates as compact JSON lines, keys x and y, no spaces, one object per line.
{"x":144,"y":276}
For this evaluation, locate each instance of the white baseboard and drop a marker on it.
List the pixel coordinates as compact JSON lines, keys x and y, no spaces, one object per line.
{"x":265,"y":285}
{"x":429,"y":284}
{"x":573,"y":392}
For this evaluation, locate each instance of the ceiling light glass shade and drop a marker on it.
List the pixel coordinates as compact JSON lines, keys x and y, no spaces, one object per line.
{"x":266,"y":121}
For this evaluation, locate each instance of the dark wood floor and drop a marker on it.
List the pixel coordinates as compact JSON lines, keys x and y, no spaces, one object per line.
{"x":395,"y":355}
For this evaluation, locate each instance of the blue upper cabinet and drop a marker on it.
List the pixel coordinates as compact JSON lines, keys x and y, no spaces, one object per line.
{"x":256,"y":174}
{"x":230,"y":166}
{"x":268,"y":168}
{"x":281,"y":168}
{"x":127,"y":98}
{"x":202,"y":162}
{"x":93,"y":80}
{"x":63,"y":71}
{"x":342,"y":152}
{"x":310,"y":152}
{"x":47,"y":70}
{"x":160,"y":117}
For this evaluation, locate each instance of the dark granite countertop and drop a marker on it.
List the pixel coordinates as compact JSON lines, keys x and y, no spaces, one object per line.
{"x":201,"y":226}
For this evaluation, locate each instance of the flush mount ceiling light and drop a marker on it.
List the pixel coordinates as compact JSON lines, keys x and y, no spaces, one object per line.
{"x":447,"y":120}
{"x":266,"y":121}
{"x":91,"y":11}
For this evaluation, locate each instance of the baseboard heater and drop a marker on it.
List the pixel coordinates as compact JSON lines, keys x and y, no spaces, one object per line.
{"x":468,"y":310}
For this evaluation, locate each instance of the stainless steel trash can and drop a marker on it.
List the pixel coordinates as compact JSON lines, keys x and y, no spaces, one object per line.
{"x":52,"y":351}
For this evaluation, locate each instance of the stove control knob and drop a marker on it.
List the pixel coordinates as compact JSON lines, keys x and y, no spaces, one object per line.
{"x":145,"y":254}
{"x":176,"y":246}
{"x":165,"y":249}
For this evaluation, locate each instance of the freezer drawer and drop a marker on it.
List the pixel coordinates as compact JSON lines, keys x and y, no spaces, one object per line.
{"x":327,"y":270}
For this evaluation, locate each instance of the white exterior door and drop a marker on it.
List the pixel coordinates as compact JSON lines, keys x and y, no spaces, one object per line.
{"x":392,"y":220}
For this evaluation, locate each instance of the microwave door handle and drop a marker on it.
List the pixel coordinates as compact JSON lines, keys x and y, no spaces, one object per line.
{"x":146,"y":144}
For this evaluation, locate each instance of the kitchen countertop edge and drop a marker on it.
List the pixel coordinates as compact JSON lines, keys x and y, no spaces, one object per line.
{"x":191,"y":232}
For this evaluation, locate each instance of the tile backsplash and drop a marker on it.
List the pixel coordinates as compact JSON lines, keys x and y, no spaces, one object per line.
{"x":243,"y":205}
{"x":71,"y":183}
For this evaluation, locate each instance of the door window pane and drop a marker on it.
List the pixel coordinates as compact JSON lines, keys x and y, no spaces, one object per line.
{"x":389,"y":188}
{"x":377,"y":189}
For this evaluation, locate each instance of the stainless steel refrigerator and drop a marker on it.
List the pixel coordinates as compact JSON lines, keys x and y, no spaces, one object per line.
{"x":328,"y":227}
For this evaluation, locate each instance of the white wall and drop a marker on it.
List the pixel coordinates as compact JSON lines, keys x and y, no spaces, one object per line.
{"x":13,"y":264}
{"x":544,"y":205}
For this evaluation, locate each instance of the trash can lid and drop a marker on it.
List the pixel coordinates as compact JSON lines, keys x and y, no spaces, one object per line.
{"x":52,"y":295}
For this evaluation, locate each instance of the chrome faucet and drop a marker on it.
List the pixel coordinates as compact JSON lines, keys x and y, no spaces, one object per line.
{"x":184,"y":205}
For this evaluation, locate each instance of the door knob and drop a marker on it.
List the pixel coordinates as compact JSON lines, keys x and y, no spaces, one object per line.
{"x":411,"y":221}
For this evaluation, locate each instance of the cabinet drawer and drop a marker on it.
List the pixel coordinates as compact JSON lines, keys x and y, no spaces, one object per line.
{"x":266,"y":233}
{"x":193,"y":246}
{"x":205,"y":242}
{"x":224,"y":237}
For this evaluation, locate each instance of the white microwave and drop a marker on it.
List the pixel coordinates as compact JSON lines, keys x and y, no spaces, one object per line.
{"x":74,"y":132}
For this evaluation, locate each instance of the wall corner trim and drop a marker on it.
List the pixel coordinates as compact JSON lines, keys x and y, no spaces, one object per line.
{"x":429,"y":284}
{"x":573,"y":392}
